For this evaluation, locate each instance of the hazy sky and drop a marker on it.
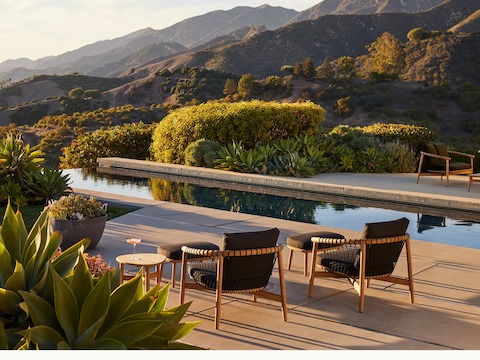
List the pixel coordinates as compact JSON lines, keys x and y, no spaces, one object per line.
{"x":38,"y":28}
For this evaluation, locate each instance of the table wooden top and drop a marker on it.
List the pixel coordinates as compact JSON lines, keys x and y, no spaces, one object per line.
{"x":144,"y":259}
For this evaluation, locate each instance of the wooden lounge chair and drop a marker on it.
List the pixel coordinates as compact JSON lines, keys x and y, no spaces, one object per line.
{"x":244,"y":266}
{"x":437,"y":161}
{"x":373,"y":256}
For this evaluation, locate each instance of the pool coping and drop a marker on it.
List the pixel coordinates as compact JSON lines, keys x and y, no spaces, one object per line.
{"x":307,"y":188}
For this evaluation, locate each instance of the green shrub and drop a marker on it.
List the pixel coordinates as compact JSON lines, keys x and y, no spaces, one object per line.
{"x":202,"y":153}
{"x":342,"y":159}
{"x":469,"y":101}
{"x":129,"y":141}
{"x":399,"y":158}
{"x":415,"y":136}
{"x":245,"y":122}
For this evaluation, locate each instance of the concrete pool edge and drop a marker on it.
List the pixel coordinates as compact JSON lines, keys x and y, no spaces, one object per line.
{"x":395,"y":188}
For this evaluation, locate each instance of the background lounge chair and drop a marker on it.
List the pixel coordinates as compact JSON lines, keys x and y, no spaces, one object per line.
{"x":437,"y":161}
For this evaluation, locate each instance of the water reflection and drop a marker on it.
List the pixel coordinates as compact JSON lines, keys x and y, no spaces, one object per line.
{"x":434,"y":225}
{"x":427,"y":222}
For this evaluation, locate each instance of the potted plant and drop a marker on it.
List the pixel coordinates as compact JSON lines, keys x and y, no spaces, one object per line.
{"x":77,"y":217}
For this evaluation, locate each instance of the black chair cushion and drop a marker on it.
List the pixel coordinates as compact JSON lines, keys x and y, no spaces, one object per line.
{"x":241,"y":273}
{"x":380,"y":258}
{"x":304,"y":242}
{"x":385,"y":228}
{"x":452,"y":166}
{"x":442,"y":149}
{"x":340,"y":261}
{"x":430,"y":148}
{"x":251,"y":240}
{"x":174,"y":251}
{"x":205,"y":274}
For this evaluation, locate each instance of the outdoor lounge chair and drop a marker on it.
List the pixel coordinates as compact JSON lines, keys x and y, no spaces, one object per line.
{"x":373,"y":256}
{"x":437,"y":161}
{"x":244,"y":266}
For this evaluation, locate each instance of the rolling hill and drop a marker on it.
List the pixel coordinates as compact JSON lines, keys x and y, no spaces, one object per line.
{"x":190,"y":32}
{"x":329,"y":36}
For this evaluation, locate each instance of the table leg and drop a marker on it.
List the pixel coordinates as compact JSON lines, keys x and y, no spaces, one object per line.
{"x":147,"y":278}
{"x":159,"y":273}
{"x":122,"y":271}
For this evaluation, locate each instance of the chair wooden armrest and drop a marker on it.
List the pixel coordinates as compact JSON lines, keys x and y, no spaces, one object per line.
{"x":202,"y":253}
{"x":461,"y":153}
{"x":371,"y":241}
{"x":435,"y":155}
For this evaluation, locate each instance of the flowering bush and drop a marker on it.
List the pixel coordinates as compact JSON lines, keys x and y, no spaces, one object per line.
{"x":95,"y":264}
{"x":76,"y":207}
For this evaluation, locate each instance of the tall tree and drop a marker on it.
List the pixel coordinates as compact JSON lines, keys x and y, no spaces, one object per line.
{"x":387,"y":56}
{"x":308,"y":68}
{"x":246,"y":85}
{"x":230,"y":87}
{"x":345,"y":67}
{"x":325,"y":70}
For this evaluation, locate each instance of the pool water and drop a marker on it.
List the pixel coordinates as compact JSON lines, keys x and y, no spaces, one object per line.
{"x":342,"y":214}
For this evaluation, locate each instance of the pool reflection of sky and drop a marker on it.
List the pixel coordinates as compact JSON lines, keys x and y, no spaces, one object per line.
{"x":427,"y":228}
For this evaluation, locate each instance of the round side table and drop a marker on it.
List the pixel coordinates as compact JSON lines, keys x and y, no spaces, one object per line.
{"x":145,"y":261}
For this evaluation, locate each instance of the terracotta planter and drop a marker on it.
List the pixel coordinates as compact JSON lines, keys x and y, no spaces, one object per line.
{"x":75,"y":230}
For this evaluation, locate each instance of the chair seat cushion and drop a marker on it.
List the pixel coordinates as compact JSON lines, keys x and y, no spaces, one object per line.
{"x":453,"y":166}
{"x":174,"y":251}
{"x":340,"y":261}
{"x":304,"y":242}
{"x":205,"y":274}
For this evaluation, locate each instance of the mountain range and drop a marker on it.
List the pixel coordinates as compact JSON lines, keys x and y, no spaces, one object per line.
{"x":213,"y":40}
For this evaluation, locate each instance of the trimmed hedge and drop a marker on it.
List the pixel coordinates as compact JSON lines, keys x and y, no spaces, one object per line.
{"x":415,"y":136}
{"x":129,"y":141}
{"x":244,"y":122}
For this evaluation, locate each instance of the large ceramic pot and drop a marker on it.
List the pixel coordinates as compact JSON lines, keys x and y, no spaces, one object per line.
{"x":75,"y":230}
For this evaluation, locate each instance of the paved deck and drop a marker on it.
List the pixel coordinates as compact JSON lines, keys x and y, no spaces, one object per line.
{"x":445,"y":315}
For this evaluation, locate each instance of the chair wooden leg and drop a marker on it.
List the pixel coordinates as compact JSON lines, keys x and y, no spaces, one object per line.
{"x":420,"y":167}
{"x":283,"y":292}
{"x":290,"y":256}
{"x":363,"y":258}
{"x":218,"y":301}
{"x":410,"y":270}
{"x":174,"y":272}
{"x":183,"y":277}
{"x":312,"y":269}
{"x":305,"y":265}
{"x":447,"y":170}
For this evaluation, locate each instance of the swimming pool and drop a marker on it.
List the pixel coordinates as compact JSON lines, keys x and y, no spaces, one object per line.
{"x":431,"y":225}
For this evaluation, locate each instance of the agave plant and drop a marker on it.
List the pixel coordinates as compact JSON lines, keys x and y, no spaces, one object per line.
{"x":84,"y":314}
{"x":24,"y":260}
{"x":47,"y":184}
{"x":17,"y":159}
{"x":12,"y":190}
